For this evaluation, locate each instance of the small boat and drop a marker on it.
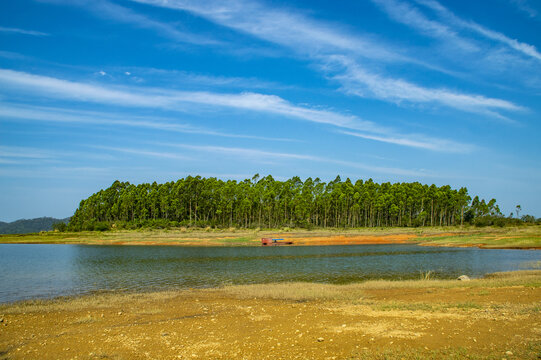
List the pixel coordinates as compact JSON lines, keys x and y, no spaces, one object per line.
{"x":274,"y":242}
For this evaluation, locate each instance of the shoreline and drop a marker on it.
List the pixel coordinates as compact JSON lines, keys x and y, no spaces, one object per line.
{"x":526,"y":238}
{"x":479,"y":246}
{"x":421,"y":319}
{"x":390,"y":282}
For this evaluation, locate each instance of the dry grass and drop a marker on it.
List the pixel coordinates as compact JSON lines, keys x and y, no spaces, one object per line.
{"x":296,"y":291}
{"x":300,"y":291}
{"x":426,"y":275}
{"x":99,"y":301}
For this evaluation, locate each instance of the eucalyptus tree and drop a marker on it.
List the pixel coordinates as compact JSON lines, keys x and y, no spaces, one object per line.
{"x":266,"y":202}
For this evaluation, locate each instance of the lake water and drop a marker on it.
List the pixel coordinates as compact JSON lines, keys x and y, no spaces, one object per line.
{"x":45,"y":271}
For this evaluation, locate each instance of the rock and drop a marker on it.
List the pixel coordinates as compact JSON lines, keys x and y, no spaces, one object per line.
{"x":120,"y":313}
{"x":464,"y":278}
{"x":320,"y":339}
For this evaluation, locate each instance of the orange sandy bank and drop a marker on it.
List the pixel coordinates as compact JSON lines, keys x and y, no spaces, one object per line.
{"x":352,"y":240}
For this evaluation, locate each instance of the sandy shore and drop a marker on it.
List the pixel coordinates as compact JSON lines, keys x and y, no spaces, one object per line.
{"x":488,"y":319}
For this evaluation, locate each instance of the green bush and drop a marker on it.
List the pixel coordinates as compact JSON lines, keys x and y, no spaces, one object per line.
{"x":60,"y":226}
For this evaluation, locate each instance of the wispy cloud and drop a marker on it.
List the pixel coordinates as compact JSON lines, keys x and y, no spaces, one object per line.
{"x":325,"y":44}
{"x":23,"y":152}
{"x":51,"y":114}
{"x":109,"y":10}
{"x":254,"y":154}
{"x":288,"y":28}
{"x":525,"y":7}
{"x":258,"y":155}
{"x":418,"y":142}
{"x":176,"y":100}
{"x":55,"y":172}
{"x":357,"y":81}
{"x":450,"y":17}
{"x":147,"y":153}
{"x":203,"y":80}
{"x":22,"y":155}
{"x":409,"y":15}
{"x":120,"y":13}
{"x":172,"y":100}
{"x":22,"y":31}
{"x":13,"y":55}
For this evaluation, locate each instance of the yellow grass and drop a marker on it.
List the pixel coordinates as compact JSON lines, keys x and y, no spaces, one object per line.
{"x":300,"y":291}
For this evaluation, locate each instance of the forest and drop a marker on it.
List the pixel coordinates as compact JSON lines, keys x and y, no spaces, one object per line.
{"x":263,"y":202}
{"x":25,"y":226}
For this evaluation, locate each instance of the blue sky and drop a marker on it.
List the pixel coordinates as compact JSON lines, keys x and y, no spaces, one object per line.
{"x":441,"y":92}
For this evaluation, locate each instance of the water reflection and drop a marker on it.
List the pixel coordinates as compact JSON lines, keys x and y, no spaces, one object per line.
{"x":30,"y":271}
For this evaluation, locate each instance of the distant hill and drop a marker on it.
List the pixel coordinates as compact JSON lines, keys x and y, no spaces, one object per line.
{"x":25,"y":226}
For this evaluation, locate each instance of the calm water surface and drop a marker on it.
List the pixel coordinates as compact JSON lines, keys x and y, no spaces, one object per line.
{"x":44,"y":271}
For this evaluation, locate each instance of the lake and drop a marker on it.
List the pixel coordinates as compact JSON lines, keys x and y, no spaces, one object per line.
{"x":46,"y":271}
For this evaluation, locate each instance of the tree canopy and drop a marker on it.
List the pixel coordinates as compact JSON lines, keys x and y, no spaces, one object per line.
{"x":268,"y":203}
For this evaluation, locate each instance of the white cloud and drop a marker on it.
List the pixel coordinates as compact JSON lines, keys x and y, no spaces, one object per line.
{"x":22,"y":31}
{"x":525,"y":49}
{"x":205,"y":80}
{"x":405,"y":13}
{"x":49,"y":114}
{"x":173,"y":100}
{"x":257,"y":155}
{"x":176,"y":100}
{"x":158,"y":154}
{"x":359,"y":82}
{"x":325,"y":44}
{"x":254,"y":154}
{"x":54,"y":172}
{"x":52,"y":87}
{"x":417,"y":142}
{"x":39,"y":156}
{"x":110,"y":10}
{"x":524,"y":6}
{"x":24,"y":152}
{"x":288,"y":28}
{"x":13,"y":55}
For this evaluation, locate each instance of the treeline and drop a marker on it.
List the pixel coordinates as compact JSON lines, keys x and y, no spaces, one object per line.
{"x":25,"y":226}
{"x":269,"y":203}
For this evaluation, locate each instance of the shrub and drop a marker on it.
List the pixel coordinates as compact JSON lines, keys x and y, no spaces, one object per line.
{"x":60,"y":226}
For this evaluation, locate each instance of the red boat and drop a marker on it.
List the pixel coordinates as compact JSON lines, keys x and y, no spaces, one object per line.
{"x":274,"y":242}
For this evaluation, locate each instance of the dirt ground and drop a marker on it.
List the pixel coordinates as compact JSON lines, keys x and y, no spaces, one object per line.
{"x":351,"y":239}
{"x":394,"y":323}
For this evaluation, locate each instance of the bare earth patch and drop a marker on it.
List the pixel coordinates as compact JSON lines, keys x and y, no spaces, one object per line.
{"x":482,"y":319}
